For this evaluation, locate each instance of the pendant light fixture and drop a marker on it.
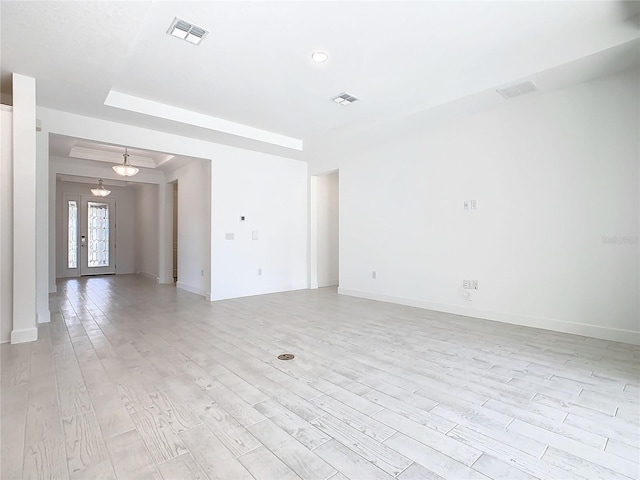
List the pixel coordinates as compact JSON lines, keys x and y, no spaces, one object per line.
{"x":100,"y":191}
{"x":126,"y":169}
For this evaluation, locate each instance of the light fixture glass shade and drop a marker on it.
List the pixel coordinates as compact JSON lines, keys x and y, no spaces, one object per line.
{"x":100,"y":191}
{"x":126,"y":169}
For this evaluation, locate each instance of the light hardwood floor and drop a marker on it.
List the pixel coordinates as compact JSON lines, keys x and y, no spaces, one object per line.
{"x":132,"y":380}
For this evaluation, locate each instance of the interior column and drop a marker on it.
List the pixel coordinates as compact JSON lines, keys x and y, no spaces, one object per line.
{"x":24,"y":209}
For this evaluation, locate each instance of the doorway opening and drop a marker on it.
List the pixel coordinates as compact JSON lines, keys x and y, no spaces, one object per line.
{"x":327,"y":229}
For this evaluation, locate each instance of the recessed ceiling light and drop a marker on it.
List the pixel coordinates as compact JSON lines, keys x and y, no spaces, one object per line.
{"x":186,"y":31}
{"x":344,"y":99}
{"x":320,"y":57}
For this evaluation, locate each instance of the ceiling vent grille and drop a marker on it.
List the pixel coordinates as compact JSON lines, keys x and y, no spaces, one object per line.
{"x":344,"y":99}
{"x":187,"y":31}
{"x":517,"y":90}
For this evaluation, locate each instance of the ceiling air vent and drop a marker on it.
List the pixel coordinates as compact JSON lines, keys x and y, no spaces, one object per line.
{"x":517,"y":90}
{"x":186,"y":31}
{"x":344,"y":99}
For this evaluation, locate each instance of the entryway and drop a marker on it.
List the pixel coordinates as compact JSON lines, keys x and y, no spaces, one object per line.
{"x":89,"y":235}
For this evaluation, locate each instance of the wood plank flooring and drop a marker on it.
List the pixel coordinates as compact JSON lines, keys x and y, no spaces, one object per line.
{"x":133,"y":380}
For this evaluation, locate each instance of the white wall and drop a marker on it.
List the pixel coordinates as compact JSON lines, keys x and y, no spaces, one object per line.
{"x":146,"y":230}
{"x":553,"y":173}
{"x":271,"y":192}
{"x":327,"y":229}
{"x":194,"y":225}
{"x":125,"y":225}
{"x":6,"y":224}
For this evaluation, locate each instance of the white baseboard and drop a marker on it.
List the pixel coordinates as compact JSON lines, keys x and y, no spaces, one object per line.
{"x":328,"y":283}
{"x":192,"y":289}
{"x":595,"y":331}
{"x":44,"y":317}
{"x":62,"y":276}
{"x":150,"y":276}
{"x":213,"y":298}
{"x":25,"y":335}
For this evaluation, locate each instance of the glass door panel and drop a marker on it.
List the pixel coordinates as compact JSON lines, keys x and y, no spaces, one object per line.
{"x":98,"y":235}
{"x":97,"y":238}
{"x":72,"y":234}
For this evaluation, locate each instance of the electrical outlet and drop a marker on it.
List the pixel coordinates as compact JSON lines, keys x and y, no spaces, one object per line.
{"x":374,"y":275}
{"x":229,"y":236}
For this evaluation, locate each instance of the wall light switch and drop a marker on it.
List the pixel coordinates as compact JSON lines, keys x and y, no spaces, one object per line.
{"x":229,"y":236}
{"x":254,"y":234}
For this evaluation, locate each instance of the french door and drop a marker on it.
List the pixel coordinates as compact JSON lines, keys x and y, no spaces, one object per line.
{"x":91,"y":234}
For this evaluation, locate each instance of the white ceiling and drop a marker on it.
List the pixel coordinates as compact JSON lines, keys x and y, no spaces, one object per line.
{"x":69,"y":147}
{"x":254,"y":68}
{"x":61,"y":146}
